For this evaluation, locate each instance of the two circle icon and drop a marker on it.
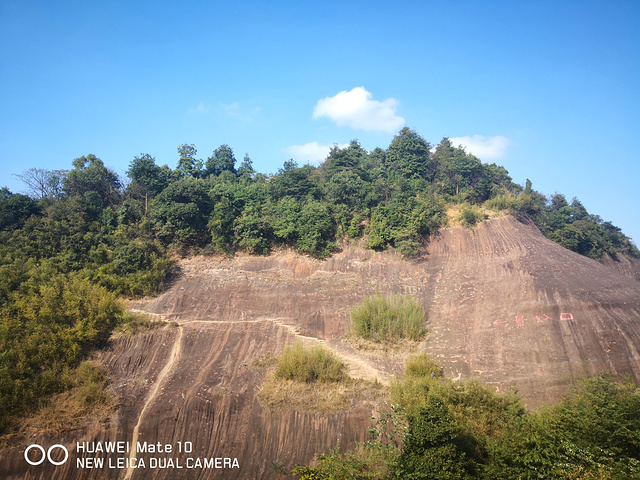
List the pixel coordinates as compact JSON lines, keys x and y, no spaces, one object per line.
{"x":46,"y":454}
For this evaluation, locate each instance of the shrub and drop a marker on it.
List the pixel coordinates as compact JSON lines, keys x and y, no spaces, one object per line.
{"x":505,"y":201}
{"x":388,"y":319}
{"x":316,"y":364}
{"x":422,"y":365}
{"x":470,"y":216}
{"x":422,"y":374}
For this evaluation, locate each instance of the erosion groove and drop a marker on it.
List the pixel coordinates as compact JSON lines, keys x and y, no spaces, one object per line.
{"x":150,"y":398}
{"x":504,"y":305}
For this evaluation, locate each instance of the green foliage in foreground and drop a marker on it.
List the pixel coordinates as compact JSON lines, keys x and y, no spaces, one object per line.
{"x":466,"y":431}
{"x":388,"y":319}
{"x":65,"y":255}
{"x":315,"y":364}
{"x":49,"y":323}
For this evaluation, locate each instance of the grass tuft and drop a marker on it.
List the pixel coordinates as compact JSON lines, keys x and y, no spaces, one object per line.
{"x":388,"y":319}
{"x":316,"y":364}
{"x":310,"y":380}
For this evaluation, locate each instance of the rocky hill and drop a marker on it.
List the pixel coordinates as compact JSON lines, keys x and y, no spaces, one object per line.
{"x":504,"y":304}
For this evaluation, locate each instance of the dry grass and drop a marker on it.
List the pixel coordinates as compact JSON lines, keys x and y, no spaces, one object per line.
{"x":137,"y":322}
{"x":310,"y":380}
{"x":277,"y":395}
{"x":400,"y":346}
{"x":309,"y":365}
{"x":454,"y":213}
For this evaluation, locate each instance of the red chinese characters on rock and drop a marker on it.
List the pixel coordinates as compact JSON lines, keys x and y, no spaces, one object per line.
{"x":521,"y":321}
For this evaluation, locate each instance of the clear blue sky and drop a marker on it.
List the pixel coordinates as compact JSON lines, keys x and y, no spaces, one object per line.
{"x":550,"y":90}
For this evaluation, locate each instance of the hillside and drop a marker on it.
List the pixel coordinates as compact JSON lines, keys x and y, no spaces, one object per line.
{"x":504,"y":304}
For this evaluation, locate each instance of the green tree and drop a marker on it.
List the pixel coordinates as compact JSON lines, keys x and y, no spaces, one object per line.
{"x":316,"y":229}
{"x":151,"y":178}
{"x":15,"y":209}
{"x":285,"y":220}
{"x":294,"y":181}
{"x":95,"y":184}
{"x":432,"y":447}
{"x":340,"y":159}
{"x":221,"y":222}
{"x":188,"y":165}
{"x":409,"y":154}
{"x":222,"y":160}
{"x":246,"y":167}
{"x":252,"y":231}
{"x":181,"y":211}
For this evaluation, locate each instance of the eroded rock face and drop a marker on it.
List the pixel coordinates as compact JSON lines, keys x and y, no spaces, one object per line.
{"x":518,"y":308}
{"x":628,"y":266}
{"x":504,"y":304}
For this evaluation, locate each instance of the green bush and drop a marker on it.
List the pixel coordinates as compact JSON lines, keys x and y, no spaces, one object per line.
{"x":422,"y":374}
{"x":388,"y":319}
{"x":460,"y":430}
{"x":505,"y":201}
{"x":316,"y":364}
{"x":470,"y":216}
{"x":422,"y":365}
{"x":51,"y":324}
{"x":434,"y":446}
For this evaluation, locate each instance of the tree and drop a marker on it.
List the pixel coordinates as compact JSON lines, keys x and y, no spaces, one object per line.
{"x":443,"y":154}
{"x":222,"y":160}
{"x":527,"y":188}
{"x":252,"y":231}
{"x":341,"y":159}
{"x":409,"y":154}
{"x":346,"y":187}
{"x":246,"y":167}
{"x":144,"y":172}
{"x":495,"y":180}
{"x":464,"y":170}
{"x":42,"y":183}
{"x":315,"y":228}
{"x":95,"y":184}
{"x":15,"y":209}
{"x":432,"y":447}
{"x":188,"y":165}
{"x":180,"y":212}
{"x":294,"y":181}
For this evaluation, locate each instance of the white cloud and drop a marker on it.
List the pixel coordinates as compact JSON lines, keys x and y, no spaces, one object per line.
{"x":485,"y":148}
{"x":235,"y":111}
{"x":311,"y":152}
{"x":201,"y":108}
{"x":357,"y":110}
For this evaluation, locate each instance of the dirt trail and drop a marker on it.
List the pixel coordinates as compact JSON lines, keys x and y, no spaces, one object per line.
{"x":358,"y":367}
{"x":151,"y":397}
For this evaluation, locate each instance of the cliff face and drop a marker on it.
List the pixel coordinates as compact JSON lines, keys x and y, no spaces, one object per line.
{"x":628,"y":266}
{"x":504,"y":304}
{"x":517,"y":308}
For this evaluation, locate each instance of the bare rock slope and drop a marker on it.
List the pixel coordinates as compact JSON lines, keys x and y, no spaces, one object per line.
{"x":504,"y":304}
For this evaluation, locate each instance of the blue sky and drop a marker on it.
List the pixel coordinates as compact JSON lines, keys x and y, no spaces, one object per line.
{"x":550,"y":90}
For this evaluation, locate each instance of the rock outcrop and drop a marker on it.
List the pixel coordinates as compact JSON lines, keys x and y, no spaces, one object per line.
{"x":504,"y":304}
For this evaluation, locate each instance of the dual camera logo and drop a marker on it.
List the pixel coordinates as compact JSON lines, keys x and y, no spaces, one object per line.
{"x":46,"y":455}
